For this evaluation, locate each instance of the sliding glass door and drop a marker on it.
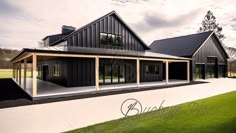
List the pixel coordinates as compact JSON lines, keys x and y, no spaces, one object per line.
{"x":107,"y":74}
{"x":111,"y":73}
{"x":115,"y":74}
{"x":122,"y":73}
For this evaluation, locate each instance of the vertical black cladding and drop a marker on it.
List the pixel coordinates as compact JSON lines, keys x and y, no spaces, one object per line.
{"x":60,"y":79}
{"x":89,"y":36}
{"x":211,"y":49}
{"x":81,"y":72}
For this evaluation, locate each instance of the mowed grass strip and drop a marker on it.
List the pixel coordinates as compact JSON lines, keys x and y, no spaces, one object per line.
{"x":7,"y":73}
{"x":215,"y":114}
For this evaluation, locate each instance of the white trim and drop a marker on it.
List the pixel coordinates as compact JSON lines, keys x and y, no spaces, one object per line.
{"x":202,"y":44}
{"x":97,"y":73}
{"x":167,"y":72}
{"x":34,"y":81}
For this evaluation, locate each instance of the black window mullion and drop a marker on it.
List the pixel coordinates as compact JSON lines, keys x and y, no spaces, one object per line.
{"x":118,"y":73}
{"x":103,"y":67}
{"x":111,"y":73}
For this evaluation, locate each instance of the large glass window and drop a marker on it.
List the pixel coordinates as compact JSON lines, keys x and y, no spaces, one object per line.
{"x":104,"y":38}
{"x":101,"y":72}
{"x":118,"y":40}
{"x":122,"y":73}
{"x":211,"y":67}
{"x":110,"y":39}
{"x":221,"y":70}
{"x":115,"y":72}
{"x":211,"y":60}
{"x":56,"y":70}
{"x":210,"y":71}
{"x":111,"y":73}
{"x":39,"y":71}
{"x":199,"y":71}
{"x":107,"y":74}
{"x":152,"y":69}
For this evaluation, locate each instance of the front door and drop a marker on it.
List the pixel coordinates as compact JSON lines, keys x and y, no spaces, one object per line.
{"x":45,"y":72}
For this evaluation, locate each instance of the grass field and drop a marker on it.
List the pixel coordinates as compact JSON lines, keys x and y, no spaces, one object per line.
{"x":233,"y":74}
{"x":7,"y":73}
{"x":212,"y":115}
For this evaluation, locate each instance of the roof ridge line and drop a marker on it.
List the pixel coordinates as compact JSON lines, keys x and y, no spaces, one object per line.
{"x":183,"y":36}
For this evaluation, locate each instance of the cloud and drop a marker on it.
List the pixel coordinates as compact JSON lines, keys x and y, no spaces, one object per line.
{"x":233,"y":27}
{"x":152,"y":21}
{"x":234,"y":19}
{"x":23,"y":23}
{"x":7,"y":8}
{"x":129,"y":1}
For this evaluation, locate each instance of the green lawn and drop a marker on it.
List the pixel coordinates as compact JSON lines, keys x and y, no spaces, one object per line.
{"x":212,"y":115}
{"x":233,"y":74}
{"x":7,"y":73}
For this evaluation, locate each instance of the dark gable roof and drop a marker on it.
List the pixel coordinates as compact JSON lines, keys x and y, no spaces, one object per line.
{"x":184,"y":46}
{"x":111,"y":13}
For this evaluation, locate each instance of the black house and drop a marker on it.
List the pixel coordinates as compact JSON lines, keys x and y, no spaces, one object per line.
{"x":209,"y":59}
{"x":107,"y":54}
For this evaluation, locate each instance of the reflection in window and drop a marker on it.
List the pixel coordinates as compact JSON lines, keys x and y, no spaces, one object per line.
{"x":118,"y":40}
{"x":199,"y":71}
{"x":146,"y":69}
{"x":111,"y":74}
{"x":122,"y":73}
{"x":110,"y":39}
{"x":115,"y":74}
{"x":221,"y":70}
{"x":211,"y":71}
{"x":152,"y":69}
{"x":107,"y":74}
{"x":104,"y":38}
{"x":56,"y":70}
{"x":101,"y":71}
{"x":39,"y":71}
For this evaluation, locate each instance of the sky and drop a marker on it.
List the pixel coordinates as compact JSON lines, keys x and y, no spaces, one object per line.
{"x":23,"y":23}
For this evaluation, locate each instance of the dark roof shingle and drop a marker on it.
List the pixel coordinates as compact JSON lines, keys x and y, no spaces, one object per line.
{"x":183,"y":46}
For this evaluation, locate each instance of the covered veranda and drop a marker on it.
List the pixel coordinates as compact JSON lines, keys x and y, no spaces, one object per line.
{"x":25,"y":74}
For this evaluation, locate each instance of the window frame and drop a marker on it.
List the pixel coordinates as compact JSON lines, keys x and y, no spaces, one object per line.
{"x":56,"y":70}
{"x":152,"y":69}
{"x":112,"y":39}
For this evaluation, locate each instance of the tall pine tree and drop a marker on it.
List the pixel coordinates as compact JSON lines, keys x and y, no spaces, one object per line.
{"x":209,"y":24}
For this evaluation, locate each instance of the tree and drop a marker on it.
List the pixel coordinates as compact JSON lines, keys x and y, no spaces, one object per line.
{"x":209,"y":24}
{"x":232,"y":57}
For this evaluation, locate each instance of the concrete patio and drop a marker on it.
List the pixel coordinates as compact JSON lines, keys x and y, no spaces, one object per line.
{"x":49,"y":89}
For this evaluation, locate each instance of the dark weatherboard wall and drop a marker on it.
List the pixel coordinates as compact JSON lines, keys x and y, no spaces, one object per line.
{"x":81,"y":72}
{"x":70,"y":72}
{"x":150,"y":71}
{"x":46,"y":68}
{"x":76,"y":72}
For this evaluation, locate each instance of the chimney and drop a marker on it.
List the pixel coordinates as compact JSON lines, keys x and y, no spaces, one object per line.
{"x":67,"y":29}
